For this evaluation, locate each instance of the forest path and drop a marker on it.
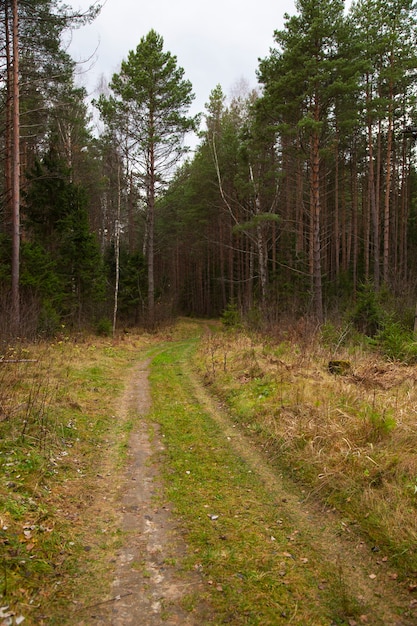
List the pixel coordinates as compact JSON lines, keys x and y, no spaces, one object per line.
{"x":147,"y":590}
{"x":150,"y":588}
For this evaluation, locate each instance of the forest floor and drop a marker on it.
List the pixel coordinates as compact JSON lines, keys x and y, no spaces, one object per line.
{"x":150,"y":587}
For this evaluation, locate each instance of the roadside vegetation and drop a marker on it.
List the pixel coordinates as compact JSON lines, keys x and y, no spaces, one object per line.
{"x":349,"y":438}
{"x":343,"y":444}
{"x":340,"y":444}
{"x":58,"y":440}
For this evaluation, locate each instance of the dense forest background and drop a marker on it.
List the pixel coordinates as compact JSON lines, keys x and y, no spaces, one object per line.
{"x":299,"y":199}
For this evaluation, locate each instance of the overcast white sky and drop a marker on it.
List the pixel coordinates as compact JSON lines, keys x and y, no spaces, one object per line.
{"x":216,"y":42}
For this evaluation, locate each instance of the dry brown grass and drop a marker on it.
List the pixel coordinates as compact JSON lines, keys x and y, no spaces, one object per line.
{"x":352,"y":440}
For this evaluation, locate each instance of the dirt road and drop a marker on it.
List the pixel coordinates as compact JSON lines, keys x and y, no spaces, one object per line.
{"x":149,"y":588}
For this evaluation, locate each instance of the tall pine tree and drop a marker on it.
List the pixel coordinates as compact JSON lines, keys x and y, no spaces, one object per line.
{"x":301,"y":81}
{"x":152,"y":97}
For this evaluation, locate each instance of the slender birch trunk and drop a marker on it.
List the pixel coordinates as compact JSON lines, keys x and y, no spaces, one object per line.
{"x":117,"y":250}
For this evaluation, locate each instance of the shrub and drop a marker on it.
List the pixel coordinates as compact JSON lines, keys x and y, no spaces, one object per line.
{"x":368,"y":315}
{"x":49,"y":321}
{"x":396,"y":342}
{"x":231,"y":316}
{"x":104,"y":327}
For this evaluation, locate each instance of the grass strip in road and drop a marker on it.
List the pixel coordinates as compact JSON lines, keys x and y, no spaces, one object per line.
{"x":258,"y":568}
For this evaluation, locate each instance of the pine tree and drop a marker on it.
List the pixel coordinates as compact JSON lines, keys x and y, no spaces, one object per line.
{"x":385,"y":33}
{"x":301,"y":81}
{"x":152,"y":97}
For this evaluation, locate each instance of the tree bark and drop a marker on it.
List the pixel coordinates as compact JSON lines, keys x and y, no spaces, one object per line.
{"x":316,"y":225}
{"x":15,"y":176}
{"x":117,"y":249}
{"x":336,"y":212}
{"x":388,"y":177}
{"x":8,"y":140}
{"x":262,"y":260}
{"x":373,"y":208}
{"x":151,"y":236}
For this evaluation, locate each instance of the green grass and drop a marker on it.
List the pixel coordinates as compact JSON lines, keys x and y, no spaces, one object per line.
{"x":253,"y":564}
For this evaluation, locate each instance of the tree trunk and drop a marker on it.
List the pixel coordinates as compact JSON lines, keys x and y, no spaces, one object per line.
{"x":336,"y":213}
{"x":299,"y":208}
{"x":8,"y":140}
{"x":415,"y":322}
{"x":404,"y":204}
{"x":373,"y":208}
{"x":355,"y":210}
{"x":150,"y":237}
{"x":373,"y":201}
{"x":117,"y":250}
{"x":16,"y":177}
{"x":262,"y":261}
{"x":388,"y":177}
{"x":316,"y":227}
